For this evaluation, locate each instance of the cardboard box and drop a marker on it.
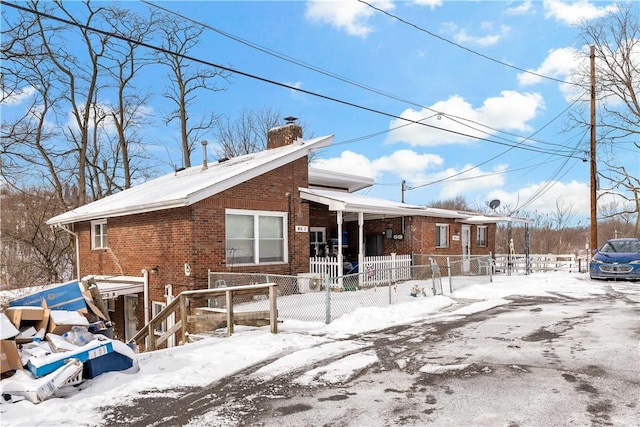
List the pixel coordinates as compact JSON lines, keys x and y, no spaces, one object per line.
{"x":60,"y":321}
{"x":25,"y":318}
{"x":67,"y":296}
{"x":9,"y":357}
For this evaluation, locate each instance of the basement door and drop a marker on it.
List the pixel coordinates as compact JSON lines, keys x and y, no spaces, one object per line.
{"x":466,"y":248}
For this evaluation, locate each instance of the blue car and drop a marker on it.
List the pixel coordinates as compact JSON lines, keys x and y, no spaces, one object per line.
{"x":617,"y":259}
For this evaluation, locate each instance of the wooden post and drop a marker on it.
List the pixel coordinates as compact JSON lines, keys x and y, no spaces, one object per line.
{"x":229,"y":294}
{"x":183,"y":318}
{"x":151,"y":336}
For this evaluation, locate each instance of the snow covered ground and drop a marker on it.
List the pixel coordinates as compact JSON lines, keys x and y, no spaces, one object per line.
{"x":298,"y":344}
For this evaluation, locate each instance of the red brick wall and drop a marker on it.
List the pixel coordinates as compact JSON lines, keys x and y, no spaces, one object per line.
{"x":196,"y":235}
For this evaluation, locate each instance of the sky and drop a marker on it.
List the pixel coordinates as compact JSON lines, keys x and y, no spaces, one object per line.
{"x":297,"y":344}
{"x":456,"y":66}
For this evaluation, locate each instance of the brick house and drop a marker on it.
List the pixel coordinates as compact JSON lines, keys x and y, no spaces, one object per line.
{"x":261,"y":212}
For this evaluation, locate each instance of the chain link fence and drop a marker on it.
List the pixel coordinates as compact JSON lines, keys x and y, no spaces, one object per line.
{"x":309,"y":297}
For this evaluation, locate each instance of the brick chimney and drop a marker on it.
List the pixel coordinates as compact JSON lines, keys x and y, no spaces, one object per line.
{"x":284,"y":135}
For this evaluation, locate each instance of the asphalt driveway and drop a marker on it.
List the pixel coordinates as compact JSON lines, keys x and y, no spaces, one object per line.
{"x":537,"y":361}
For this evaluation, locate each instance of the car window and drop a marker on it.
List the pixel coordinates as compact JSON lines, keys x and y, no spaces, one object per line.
{"x":632,"y":246}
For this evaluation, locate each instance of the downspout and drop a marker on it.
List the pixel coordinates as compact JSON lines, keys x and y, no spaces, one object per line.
{"x":60,"y":226}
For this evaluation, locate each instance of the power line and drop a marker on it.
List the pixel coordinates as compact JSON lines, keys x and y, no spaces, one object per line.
{"x":255,"y":77}
{"x":319,"y":70}
{"x":404,"y":21}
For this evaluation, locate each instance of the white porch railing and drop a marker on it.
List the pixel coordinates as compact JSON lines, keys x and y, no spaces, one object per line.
{"x":375,"y":269}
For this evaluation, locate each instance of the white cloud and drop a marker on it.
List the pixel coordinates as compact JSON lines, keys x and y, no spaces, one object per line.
{"x":572,"y":195}
{"x":509,"y":111}
{"x":351,"y":16}
{"x":407,"y":164}
{"x":294,"y":93}
{"x":521,"y":9}
{"x":431,"y":3}
{"x":461,"y":36}
{"x":574,"y":12}
{"x":559,"y":63}
{"x":471,"y":182}
{"x":17,"y":97}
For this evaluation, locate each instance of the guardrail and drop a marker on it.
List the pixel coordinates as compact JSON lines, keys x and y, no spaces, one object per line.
{"x":147,"y":334}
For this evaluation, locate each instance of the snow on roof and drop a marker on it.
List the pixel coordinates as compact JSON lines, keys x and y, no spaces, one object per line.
{"x":188,"y":186}
{"x":325,"y":178}
{"x":349,"y":202}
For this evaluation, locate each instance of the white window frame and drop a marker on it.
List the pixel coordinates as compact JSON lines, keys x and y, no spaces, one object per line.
{"x":256,"y":240}
{"x":103,"y":242}
{"x":439,"y":242}
{"x":482,"y":236}
{"x":320,"y":232}
{"x":157,"y":307}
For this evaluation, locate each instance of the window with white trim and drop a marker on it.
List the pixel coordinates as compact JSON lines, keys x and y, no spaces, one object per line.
{"x":482,"y":236}
{"x":255,"y":237}
{"x":442,"y":235}
{"x":317,"y":239}
{"x":99,"y":234}
{"x":156,"y":308}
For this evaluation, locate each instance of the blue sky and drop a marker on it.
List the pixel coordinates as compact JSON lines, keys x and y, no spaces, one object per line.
{"x":445,"y":65}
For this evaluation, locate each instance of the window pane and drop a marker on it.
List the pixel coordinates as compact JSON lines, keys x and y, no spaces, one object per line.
{"x":271,"y":250}
{"x":239,"y":226}
{"x":239,"y":251}
{"x":271,"y":227}
{"x":442,"y":235}
{"x":104,"y":235}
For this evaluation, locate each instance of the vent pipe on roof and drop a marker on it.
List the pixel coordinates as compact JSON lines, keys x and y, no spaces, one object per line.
{"x":204,"y":155}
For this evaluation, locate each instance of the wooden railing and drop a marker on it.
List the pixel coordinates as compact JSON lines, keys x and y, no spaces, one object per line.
{"x":147,"y":335}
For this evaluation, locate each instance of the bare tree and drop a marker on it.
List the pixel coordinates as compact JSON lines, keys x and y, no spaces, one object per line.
{"x":30,"y":253}
{"x":69,"y":136}
{"x":616,"y":39}
{"x":187,"y":79}
{"x":245,"y":134}
{"x":82,"y":109}
{"x":456,"y":203}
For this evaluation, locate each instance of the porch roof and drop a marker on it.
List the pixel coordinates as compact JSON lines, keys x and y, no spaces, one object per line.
{"x":373,"y":208}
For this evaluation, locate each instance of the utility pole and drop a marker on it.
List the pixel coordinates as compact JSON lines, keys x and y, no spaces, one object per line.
{"x":594,"y":178}
{"x":403,"y":189}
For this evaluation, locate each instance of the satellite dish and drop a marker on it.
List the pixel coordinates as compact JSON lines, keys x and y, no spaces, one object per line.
{"x":494,"y":203}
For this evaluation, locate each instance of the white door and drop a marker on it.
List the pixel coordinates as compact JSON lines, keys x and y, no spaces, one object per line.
{"x":130,"y":316}
{"x":466,"y":248}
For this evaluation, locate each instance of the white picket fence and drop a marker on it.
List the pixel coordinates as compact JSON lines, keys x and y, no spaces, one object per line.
{"x":375,"y":269}
{"x":537,"y":263}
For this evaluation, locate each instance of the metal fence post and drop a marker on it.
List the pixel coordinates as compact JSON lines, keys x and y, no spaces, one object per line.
{"x":449,"y":274}
{"x":490,"y":267}
{"x":389,"y":286}
{"x":327,"y":304}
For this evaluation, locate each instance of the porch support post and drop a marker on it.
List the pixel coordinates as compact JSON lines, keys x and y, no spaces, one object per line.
{"x":340,"y":258}
{"x":360,"y":248}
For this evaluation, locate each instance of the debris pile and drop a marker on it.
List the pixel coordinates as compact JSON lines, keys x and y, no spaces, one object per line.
{"x":53,"y":340}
